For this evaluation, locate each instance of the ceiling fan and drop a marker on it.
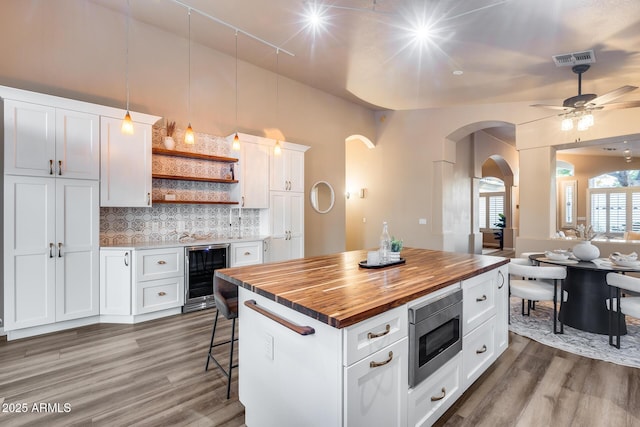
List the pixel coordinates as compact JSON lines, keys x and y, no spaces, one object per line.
{"x":582,"y":105}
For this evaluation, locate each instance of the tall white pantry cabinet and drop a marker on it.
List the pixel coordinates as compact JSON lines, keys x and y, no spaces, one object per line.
{"x":51,"y":202}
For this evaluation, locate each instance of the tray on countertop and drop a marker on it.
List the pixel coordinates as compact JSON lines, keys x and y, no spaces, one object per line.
{"x":364,"y":264}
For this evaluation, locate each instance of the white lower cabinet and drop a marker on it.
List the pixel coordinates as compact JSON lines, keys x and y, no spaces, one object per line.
{"x":246,"y":253}
{"x":375,"y":388}
{"x":51,"y":250}
{"x":431,"y":398}
{"x":478,"y":350}
{"x":140,"y":282}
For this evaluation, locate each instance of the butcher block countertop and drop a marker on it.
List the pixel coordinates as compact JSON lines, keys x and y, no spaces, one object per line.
{"x":335,"y":290}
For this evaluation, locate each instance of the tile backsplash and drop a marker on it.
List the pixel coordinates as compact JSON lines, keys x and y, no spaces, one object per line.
{"x":168,"y":222}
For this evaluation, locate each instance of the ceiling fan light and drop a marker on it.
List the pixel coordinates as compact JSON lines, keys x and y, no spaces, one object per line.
{"x":584,"y":123}
{"x":588,"y":119}
{"x":189,"y":138}
{"x":567,"y":124}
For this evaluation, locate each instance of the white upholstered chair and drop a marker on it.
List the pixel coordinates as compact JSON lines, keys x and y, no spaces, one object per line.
{"x":628,"y":305}
{"x":533,"y":283}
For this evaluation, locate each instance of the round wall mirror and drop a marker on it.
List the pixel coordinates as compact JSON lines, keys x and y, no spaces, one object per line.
{"x":322,"y":197}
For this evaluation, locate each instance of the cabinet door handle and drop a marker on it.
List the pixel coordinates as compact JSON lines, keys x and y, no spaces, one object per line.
{"x":482,"y":350}
{"x":50,"y":167}
{"x":501,"y":279}
{"x":161,"y":294}
{"x":436,"y":398}
{"x":126,"y":259}
{"x":59,"y":167}
{"x":59,"y":250}
{"x":302,"y":330}
{"x":483,"y":298}
{"x":50,"y":250}
{"x":242,"y":201}
{"x":148,"y":199}
{"x":378,"y":364}
{"x":265,"y":245}
{"x":371,"y":335}
{"x":162,"y":262}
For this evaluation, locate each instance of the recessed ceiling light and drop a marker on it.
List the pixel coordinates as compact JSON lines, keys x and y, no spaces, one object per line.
{"x":458,"y":72}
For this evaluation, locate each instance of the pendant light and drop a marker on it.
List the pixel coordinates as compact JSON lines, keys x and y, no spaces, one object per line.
{"x":188,"y":134}
{"x":277,"y":150}
{"x":236,"y":140}
{"x":127,"y":123}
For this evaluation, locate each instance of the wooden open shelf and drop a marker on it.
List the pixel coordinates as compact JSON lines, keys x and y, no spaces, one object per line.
{"x":188,"y":155}
{"x":193,"y":202}
{"x":194,"y":178}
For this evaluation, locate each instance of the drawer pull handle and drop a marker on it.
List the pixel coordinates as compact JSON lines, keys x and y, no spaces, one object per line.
{"x":378,"y":364}
{"x":371,"y":335}
{"x":162,"y":262}
{"x":436,"y":398}
{"x":162,"y":294}
{"x":483,"y":298}
{"x":302,"y":330}
{"x":247,"y":253}
{"x":482,"y":350}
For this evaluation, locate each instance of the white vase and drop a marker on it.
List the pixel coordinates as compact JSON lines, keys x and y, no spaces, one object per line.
{"x":169,"y":143}
{"x":586,"y":251}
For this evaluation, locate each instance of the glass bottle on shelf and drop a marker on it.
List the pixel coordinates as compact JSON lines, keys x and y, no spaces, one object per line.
{"x":385,"y":244}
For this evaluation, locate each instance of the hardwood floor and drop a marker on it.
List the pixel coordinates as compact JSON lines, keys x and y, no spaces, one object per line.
{"x":153,"y":374}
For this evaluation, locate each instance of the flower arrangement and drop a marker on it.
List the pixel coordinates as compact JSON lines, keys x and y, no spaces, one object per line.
{"x":396,"y":244}
{"x":171,"y":128}
{"x":586,"y":233}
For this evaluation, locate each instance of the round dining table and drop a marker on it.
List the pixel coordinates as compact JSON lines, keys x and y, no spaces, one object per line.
{"x":587,"y":292}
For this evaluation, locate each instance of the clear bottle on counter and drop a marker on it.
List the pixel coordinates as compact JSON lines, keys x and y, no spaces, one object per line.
{"x":385,"y":244}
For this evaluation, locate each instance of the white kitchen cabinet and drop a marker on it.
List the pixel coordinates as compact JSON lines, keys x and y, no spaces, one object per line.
{"x":287,"y":225}
{"x":376,"y":388}
{"x":125,"y":172}
{"x":502,"y":310}
{"x":246,"y":253}
{"x":479,"y":295}
{"x":51,"y":253}
{"x":287,"y":170}
{"x":478,"y":351}
{"x":431,"y":398}
{"x":43,"y":140}
{"x":252,"y":172}
{"x":115,"y":281}
{"x":135,"y":283}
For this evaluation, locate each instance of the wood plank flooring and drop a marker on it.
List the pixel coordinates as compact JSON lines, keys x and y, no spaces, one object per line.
{"x":152,"y":374}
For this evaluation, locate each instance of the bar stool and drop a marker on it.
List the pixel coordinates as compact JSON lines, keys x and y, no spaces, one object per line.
{"x":226,"y":298}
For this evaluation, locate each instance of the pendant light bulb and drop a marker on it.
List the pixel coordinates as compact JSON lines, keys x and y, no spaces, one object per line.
{"x":236,"y":143}
{"x":127,"y":124}
{"x":567,"y":124}
{"x":188,"y":136}
{"x":277,"y":150}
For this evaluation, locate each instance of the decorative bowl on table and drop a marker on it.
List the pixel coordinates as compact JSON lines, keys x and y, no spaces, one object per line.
{"x":629,"y":260}
{"x":557,"y":255}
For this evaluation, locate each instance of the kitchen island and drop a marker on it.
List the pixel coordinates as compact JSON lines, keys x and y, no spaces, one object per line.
{"x":325,"y":342}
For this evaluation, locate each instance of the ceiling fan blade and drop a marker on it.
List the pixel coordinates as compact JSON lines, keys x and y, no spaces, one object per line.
{"x":620,"y":105}
{"x":552,"y":107}
{"x":610,"y":96}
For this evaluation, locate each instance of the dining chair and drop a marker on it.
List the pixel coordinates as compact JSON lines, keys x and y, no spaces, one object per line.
{"x":225,"y":295}
{"x":538,"y":284}
{"x":627,"y":305}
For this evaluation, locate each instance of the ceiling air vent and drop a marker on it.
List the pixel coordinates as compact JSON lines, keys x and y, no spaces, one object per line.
{"x":575,"y":58}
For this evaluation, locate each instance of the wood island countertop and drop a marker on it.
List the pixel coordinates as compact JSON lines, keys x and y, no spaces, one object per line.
{"x":335,"y":290}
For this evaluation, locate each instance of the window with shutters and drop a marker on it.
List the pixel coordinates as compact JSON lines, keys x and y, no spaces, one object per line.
{"x":614,"y":202}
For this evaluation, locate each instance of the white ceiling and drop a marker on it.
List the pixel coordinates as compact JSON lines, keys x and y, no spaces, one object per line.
{"x":503,"y":47}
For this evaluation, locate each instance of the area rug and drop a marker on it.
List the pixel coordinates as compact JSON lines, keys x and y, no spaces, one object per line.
{"x":539,"y":327}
